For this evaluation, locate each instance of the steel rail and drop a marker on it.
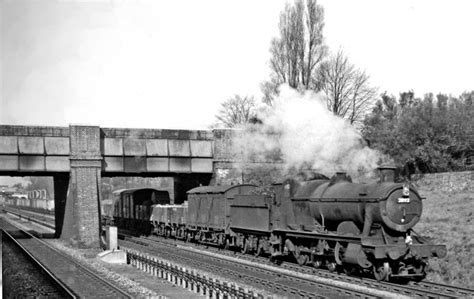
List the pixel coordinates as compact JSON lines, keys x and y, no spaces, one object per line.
{"x":30,"y":217}
{"x":37,"y":263}
{"x":272,"y":285}
{"x":76,"y":264}
{"x":425,"y":288}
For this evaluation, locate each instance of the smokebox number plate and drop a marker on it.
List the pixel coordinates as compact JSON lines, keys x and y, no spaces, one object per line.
{"x":404,"y":200}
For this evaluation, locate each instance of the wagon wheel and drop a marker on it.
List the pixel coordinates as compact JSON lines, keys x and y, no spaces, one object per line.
{"x":331,"y":265}
{"x":226,"y":244}
{"x":420,"y":269}
{"x":182,"y":233}
{"x":301,"y":259}
{"x":382,"y":271}
{"x":317,"y":261}
{"x":245,"y":247}
{"x":338,"y":249}
{"x":222,"y":241}
{"x":274,"y":259}
{"x":260,"y":246}
{"x":202,"y":238}
{"x":350,"y":270}
{"x":188,"y":237}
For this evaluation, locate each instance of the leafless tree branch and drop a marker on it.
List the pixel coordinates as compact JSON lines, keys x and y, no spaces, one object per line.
{"x":236,"y":111}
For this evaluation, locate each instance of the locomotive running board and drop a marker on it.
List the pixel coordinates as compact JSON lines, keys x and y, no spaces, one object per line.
{"x":328,"y":236}
{"x":249,"y":231}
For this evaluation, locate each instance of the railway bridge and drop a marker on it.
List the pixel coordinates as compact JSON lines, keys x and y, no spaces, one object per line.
{"x":78,"y":156}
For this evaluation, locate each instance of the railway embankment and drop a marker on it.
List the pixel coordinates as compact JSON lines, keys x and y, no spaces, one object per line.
{"x":448,"y":218}
{"x":446,"y":181}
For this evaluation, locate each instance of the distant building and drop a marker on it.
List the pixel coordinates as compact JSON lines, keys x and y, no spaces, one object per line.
{"x":6,"y":190}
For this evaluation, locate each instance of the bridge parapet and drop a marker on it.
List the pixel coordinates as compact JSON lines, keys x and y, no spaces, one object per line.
{"x":34,"y":149}
{"x":145,"y":150}
{"x":48,"y":149}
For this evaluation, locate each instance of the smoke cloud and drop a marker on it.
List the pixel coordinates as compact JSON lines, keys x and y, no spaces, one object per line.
{"x":303,"y":134}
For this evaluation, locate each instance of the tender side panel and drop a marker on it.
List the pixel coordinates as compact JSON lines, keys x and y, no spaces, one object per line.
{"x":250,"y":212}
{"x":217,"y":212}
{"x":204,"y":211}
{"x":193,"y":210}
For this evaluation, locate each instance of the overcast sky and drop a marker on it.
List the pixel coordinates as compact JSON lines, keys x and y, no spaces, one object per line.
{"x":169,"y":64}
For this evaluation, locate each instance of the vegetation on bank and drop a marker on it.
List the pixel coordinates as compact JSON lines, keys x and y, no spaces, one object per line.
{"x":448,"y":218}
{"x":424,"y":135}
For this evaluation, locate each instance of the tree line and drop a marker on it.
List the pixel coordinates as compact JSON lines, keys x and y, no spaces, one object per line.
{"x":428,"y":134}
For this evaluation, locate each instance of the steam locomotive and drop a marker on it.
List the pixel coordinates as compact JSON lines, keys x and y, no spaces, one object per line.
{"x":309,"y":218}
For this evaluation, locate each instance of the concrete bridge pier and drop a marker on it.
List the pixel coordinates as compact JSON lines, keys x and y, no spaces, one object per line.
{"x":81,"y":212}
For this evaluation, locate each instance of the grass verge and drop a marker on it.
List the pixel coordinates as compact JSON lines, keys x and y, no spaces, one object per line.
{"x":448,"y":218}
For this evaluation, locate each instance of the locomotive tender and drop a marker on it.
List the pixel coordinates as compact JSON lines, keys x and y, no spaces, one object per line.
{"x":315,"y":220}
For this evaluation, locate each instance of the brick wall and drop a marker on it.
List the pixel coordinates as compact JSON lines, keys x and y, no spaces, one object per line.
{"x":447,"y":181}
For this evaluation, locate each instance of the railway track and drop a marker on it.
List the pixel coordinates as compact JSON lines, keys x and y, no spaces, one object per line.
{"x":45,"y":220}
{"x":421,"y":289}
{"x":79,"y":281}
{"x":281,"y":284}
{"x":445,"y":289}
{"x":22,"y":269}
{"x":413,"y":289}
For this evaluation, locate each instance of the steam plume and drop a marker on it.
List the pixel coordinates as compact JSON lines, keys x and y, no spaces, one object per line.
{"x":303,"y":134}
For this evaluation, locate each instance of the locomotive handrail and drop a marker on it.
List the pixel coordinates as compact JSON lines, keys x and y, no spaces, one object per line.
{"x":341,"y":199}
{"x":327,"y":236}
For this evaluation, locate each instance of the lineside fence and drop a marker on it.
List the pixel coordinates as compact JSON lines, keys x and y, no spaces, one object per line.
{"x":186,"y":278}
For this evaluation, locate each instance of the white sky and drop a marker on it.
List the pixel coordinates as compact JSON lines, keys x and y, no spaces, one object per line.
{"x":169,"y":64}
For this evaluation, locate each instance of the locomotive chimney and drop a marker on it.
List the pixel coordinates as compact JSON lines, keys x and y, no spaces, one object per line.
{"x":340,"y":176}
{"x":387,"y":173}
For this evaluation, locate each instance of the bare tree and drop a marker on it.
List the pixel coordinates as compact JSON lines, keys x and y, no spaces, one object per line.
{"x":236,"y":111}
{"x":347,"y":89}
{"x":298,"y":51}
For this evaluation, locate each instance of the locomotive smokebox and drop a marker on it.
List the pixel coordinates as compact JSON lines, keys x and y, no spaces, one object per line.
{"x":387,"y":173}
